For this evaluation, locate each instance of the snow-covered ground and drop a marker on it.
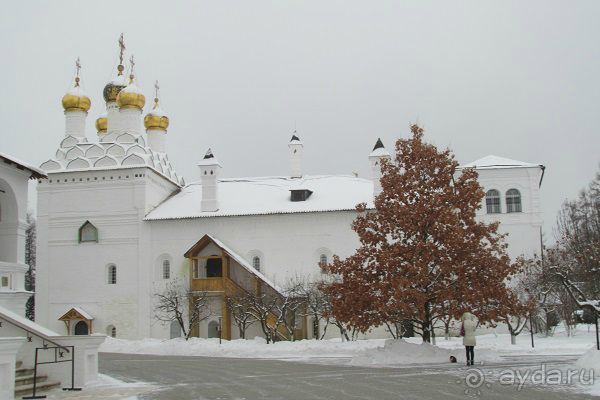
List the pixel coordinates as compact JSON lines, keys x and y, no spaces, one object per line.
{"x":491,"y":349}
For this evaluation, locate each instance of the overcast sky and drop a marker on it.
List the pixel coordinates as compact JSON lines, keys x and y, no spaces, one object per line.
{"x":515,"y":79}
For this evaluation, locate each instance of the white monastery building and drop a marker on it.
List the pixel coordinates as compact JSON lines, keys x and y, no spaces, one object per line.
{"x":116,"y":222}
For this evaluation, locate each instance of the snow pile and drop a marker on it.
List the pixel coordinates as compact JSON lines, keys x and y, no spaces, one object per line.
{"x":560,"y":343}
{"x":590,"y":360}
{"x":403,"y":352}
{"x":255,"y":348}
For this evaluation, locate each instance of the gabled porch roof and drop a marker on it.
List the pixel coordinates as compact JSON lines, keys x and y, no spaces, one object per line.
{"x":76,"y":313}
{"x":207,"y":239}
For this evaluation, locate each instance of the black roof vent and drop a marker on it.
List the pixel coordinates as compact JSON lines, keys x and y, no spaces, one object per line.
{"x":378,"y":145}
{"x":300,"y":194}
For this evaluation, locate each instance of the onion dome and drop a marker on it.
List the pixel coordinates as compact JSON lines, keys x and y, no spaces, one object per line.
{"x":157,"y":118}
{"x":112,"y":88}
{"x":102,"y":124}
{"x":131,"y":96}
{"x":75,"y":99}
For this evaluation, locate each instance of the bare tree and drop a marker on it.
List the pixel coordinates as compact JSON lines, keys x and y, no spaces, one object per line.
{"x":240,"y":309}
{"x":176,"y":301}
{"x":261,"y":306}
{"x":291,"y":306}
{"x":316,"y":303}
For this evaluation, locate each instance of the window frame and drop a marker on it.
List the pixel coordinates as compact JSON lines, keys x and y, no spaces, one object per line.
{"x":514,"y":202}
{"x":86,"y":225}
{"x":493,"y":202}
{"x":111,"y":274}
{"x":256,"y":262}
{"x":166,"y":269}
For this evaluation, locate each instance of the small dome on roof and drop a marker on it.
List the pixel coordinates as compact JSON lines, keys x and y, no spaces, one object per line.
{"x":75,"y":99}
{"x":131,"y":96}
{"x":157,"y":118}
{"x":112,"y":88}
{"x":102,"y":123}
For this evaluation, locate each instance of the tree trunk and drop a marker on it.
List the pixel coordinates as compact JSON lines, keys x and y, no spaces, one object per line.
{"x":513,"y":339}
{"x":425,"y":325}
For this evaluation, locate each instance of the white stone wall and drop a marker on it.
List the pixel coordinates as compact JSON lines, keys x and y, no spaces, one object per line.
{"x":76,"y":274}
{"x":523,"y":228}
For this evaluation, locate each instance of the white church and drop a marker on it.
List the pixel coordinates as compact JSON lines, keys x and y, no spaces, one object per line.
{"x":116,"y":221}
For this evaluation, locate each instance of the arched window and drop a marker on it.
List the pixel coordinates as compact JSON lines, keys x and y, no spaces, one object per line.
{"x":166,"y":269}
{"x":111,"y":331}
{"x":513,"y":201}
{"x":256,"y":263}
{"x":88,"y":233}
{"x":112,"y":274}
{"x":492,"y":201}
{"x":323,"y":262}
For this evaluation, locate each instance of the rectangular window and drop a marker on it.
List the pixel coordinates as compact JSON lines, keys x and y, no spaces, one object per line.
{"x":513,"y":204}
{"x":4,"y":283}
{"x":493,"y":205}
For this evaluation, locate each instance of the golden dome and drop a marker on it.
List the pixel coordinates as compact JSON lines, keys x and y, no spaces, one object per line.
{"x":75,"y":99}
{"x":102,"y":124}
{"x":131,"y":96}
{"x":112,"y":88}
{"x":156,"y":119}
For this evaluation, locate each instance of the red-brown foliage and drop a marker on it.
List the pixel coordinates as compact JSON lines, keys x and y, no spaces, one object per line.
{"x":423,"y":254}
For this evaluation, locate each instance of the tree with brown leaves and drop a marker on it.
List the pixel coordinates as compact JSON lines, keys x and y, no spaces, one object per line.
{"x":423,"y":254}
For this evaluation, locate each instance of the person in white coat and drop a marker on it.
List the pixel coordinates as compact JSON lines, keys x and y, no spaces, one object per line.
{"x":467,"y":331}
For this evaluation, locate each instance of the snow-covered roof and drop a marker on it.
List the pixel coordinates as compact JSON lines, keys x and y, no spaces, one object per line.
{"x":245,"y":264}
{"x":25,"y":323}
{"x":491,"y":162}
{"x":114,"y":151}
{"x":132,"y":88}
{"x":35,"y":172}
{"x":269,"y":195}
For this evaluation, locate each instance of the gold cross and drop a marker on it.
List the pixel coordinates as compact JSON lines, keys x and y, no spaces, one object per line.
{"x":156,"y":88}
{"x":78,"y":68}
{"x":122,"y":48}
{"x":132,"y":63}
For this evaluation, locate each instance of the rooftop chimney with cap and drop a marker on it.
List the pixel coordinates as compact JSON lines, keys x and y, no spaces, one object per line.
{"x":209,"y":173}
{"x":296,"y":147}
{"x":378,"y":154}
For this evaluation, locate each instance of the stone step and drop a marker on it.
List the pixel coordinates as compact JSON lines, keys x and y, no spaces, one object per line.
{"x":23,"y":371}
{"x":28,"y":389}
{"x":28,"y":379}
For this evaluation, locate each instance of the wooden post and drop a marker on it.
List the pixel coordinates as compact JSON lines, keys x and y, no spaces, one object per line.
{"x":226,"y":322}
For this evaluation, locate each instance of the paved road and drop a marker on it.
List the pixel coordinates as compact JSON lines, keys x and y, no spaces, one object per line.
{"x":204,"y":378}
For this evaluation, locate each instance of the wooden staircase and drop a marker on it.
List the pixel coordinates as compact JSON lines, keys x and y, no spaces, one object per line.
{"x":24,"y":381}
